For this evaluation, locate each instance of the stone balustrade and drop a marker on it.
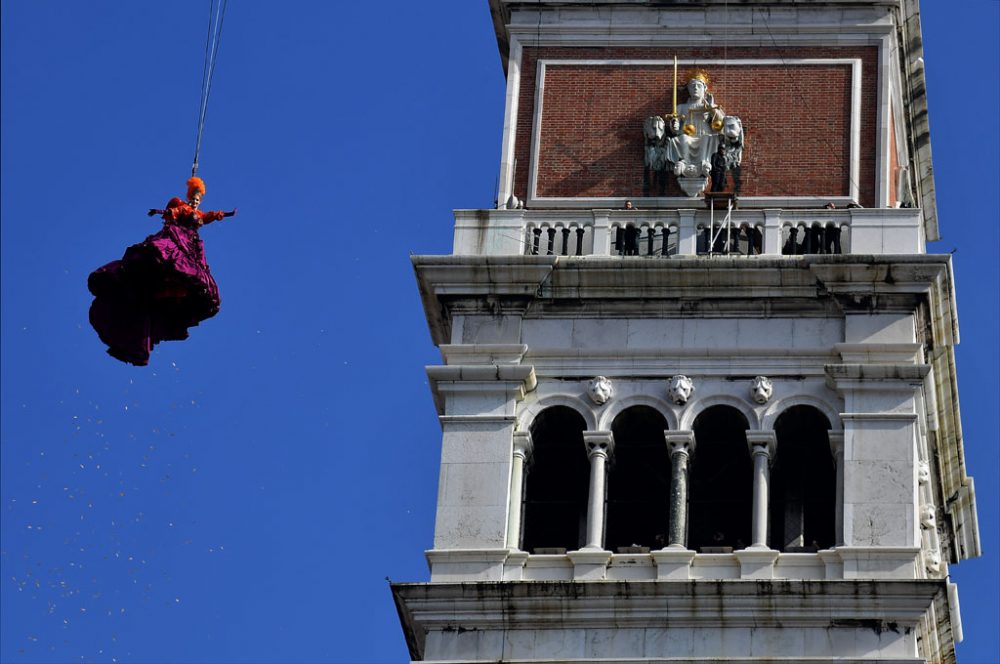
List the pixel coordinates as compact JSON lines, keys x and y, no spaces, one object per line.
{"x":687,"y":232}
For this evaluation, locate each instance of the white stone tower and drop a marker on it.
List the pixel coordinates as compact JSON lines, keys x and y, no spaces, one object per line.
{"x":683,"y":432}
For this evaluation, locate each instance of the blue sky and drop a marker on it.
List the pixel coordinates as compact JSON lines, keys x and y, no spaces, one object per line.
{"x":245,"y":496}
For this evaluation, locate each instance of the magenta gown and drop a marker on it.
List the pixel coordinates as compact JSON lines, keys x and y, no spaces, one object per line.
{"x":159,"y":288}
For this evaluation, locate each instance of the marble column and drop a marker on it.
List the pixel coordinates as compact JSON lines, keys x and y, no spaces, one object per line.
{"x":762,"y":448}
{"x":837,"y":449}
{"x":680,"y":445}
{"x":600,"y":445}
{"x":520,"y":454}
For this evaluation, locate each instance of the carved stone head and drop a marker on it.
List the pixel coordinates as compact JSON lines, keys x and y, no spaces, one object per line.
{"x":653,"y":128}
{"x":697,"y":88}
{"x":679,"y":389}
{"x":927,"y":518}
{"x":933,"y":561}
{"x":923,"y":472}
{"x":600,"y":390}
{"x":732,"y":129}
{"x":761,"y":389}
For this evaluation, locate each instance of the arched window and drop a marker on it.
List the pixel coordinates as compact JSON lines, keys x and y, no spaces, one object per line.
{"x":720,"y":513}
{"x":803,"y":482}
{"x":557,"y":482}
{"x":638,"y":504}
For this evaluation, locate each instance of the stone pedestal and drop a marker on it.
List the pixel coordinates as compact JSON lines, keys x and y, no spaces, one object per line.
{"x":692,"y":186}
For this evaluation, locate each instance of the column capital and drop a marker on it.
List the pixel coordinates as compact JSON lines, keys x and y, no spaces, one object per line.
{"x":679,"y":442}
{"x":762,"y":442}
{"x":599,"y":443}
{"x":523,"y":444}
{"x":836,"y":442}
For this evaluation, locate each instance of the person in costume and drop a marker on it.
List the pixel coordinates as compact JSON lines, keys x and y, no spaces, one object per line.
{"x":160,"y":287}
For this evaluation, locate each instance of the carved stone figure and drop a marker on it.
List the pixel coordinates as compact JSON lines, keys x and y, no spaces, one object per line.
{"x":932,"y":561}
{"x":923,"y":473}
{"x":655,"y":156}
{"x":600,"y":390}
{"x":927,"y":519}
{"x":687,"y":142}
{"x":761,"y":389}
{"x":732,"y":144}
{"x":701,"y":121}
{"x":679,"y":389}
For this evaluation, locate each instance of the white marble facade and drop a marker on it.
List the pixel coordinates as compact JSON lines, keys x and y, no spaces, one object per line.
{"x":865,"y":338}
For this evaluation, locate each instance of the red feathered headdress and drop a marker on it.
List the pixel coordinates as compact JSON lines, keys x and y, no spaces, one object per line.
{"x":195,"y":184}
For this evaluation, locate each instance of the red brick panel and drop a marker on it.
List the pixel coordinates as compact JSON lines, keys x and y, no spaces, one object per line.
{"x":796,"y":117}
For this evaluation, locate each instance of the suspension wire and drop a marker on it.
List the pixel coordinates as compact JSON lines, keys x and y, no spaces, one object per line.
{"x":213,"y":38}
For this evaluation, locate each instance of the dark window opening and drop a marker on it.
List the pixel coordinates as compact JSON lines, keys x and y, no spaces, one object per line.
{"x":720,"y":509}
{"x":803,"y":483}
{"x":557,"y":483}
{"x":638,"y":497}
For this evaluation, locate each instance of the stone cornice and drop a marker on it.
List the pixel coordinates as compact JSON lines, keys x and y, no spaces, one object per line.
{"x":775,"y":603}
{"x":513,"y":380}
{"x":876,"y":376}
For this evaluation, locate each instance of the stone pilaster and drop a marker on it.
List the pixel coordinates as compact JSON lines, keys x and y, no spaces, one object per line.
{"x":521,"y":451}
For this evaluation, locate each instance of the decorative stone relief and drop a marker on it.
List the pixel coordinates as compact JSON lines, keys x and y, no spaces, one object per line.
{"x":600,"y":390}
{"x":932,"y":561}
{"x":927,"y":518}
{"x":923,"y":473}
{"x":686,"y":141}
{"x":761,"y":389}
{"x":679,"y":389}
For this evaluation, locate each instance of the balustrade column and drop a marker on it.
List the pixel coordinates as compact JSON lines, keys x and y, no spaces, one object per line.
{"x":520,"y":454}
{"x":680,"y":445}
{"x":600,"y":445}
{"x":837,"y":449}
{"x":762,"y":448}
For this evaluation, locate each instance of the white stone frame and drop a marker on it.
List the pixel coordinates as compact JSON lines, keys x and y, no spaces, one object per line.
{"x":526,"y":418}
{"x":779,"y":406}
{"x":773,"y":201}
{"x":620,"y":405}
{"x":696,"y":407}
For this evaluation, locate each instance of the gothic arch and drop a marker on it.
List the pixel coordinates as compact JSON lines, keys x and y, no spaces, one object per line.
{"x":779,"y":406}
{"x":624,"y":403}
{"x":698,"y":406}
{"x":527,"y":416}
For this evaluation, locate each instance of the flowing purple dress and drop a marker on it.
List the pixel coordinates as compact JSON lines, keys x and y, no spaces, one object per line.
{"x":159,"y":288}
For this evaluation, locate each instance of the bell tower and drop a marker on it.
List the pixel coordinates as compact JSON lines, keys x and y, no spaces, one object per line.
{"x":697,"y":381}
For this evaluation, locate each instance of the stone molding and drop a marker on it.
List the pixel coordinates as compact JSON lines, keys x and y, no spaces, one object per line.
{"x":599,"y":442}
{"x":756,"y":563}
{"x":673,"y":563}
{"x":508,"y":381}
{"x":489,"y":354}
{"x":589,"y":564}
{"x":763,"y":442}
{"x":679,"y":603}
{"x":680,"y":442}
{"x":523,"y":445}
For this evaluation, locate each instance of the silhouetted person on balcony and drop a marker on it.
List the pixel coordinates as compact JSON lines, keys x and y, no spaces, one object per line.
{"x":719,"y":169}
